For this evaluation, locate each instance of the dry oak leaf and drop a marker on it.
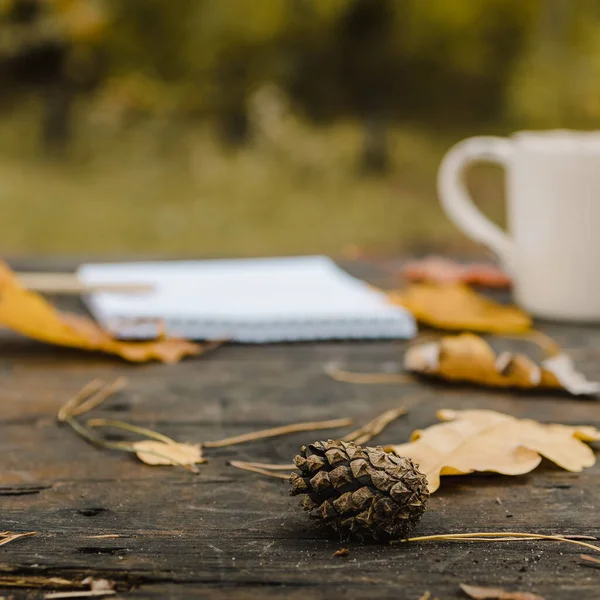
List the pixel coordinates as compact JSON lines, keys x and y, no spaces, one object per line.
{"x":31,"y":315}
{"x":456,"y":307}
{"x":153,"y":452}
{"x":484,"y":440}
{"x":484,"y":593}
{"x":469,"y":358}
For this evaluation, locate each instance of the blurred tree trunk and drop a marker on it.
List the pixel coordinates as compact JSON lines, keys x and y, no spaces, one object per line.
{"x":365,"y":32}
{"x":375,"y":156}
{"x":56,"y":116}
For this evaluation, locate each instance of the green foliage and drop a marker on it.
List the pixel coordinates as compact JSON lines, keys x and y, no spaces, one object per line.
{"x":452,"y":63}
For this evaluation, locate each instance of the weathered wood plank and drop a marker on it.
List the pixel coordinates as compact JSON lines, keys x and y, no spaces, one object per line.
{"x":231,"y":534}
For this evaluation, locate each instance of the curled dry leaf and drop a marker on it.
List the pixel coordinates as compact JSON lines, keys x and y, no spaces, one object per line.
{"x":30,"y":314}
{"x":456,"y":307}
{"x":469,"y":358}
{"x":153,"y":452}
{"x":484,"y":440}
{"x":99,"y":585}
{"x":484,"y":593}
{"x":436,"y":269}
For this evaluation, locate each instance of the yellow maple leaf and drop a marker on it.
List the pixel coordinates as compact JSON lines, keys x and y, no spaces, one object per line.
{"x":484,"y":440}
{"x":468,"y":357}
{"x":30,"y":314}
{"x":456,"y":307}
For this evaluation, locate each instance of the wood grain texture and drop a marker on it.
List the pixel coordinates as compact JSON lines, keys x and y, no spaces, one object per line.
{"x":231,"y":534}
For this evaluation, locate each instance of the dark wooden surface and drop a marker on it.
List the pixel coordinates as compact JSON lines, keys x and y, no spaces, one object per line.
{"x":230,"y":534}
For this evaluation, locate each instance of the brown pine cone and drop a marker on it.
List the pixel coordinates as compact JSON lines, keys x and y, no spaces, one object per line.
{"x":365,"y":492}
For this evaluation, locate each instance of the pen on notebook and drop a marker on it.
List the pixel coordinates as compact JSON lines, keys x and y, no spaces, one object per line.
{"x":69,"y":284}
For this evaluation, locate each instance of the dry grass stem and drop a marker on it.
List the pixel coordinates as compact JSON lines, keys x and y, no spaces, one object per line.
{"x":35,"y":581}
{"x":268,"y":466}
{"x":131,"y":428}
{"x":99,"y":397}
{"x":277,"y":431}
{"x":543,"y":341}
{"x":367,"y":378}
{"x":123,"y":446}
{"x":359,"y":436}
{"x":90,"y":396}
{"x":11,"y":537}
{"x":85,"y":392}
{"x":104,"y":536}
{"x":492,"y":537}
{"x":375,"y":427}
{"x":81,"y":594}
{"x":591,"y":559}
{"x":248,"y":466}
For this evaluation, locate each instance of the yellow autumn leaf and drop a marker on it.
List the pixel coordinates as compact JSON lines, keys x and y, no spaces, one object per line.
{"x":484,"y":440}
{"x":457,"y":307}
{"x":153,"y":452}
{"x":469,"y":358}
{"x":30,"y":314}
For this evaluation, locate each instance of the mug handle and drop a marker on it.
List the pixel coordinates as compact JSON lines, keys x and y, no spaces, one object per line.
{"x":455,"y":199}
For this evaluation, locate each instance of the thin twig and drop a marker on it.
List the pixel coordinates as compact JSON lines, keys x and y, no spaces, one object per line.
{"x":239,"y":464}
{"x":375,"y":427}
{"x":11,"y":537}
{"x":104,"y":536}
{"x":88,"y":389}
{"x":99,"y":397}
{"x":494,"y":534}
{"x":367,"y":378}
{"x":276,"y":431}
{"x":131,"y":428}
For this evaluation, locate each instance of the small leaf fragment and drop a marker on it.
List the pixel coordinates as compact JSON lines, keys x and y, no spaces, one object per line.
{"x":153,"y":452}
{"x":456,"y":307}
{"x":483,"y":593}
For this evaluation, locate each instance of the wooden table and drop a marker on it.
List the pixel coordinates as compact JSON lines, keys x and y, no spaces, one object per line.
{"x":227,"y":533}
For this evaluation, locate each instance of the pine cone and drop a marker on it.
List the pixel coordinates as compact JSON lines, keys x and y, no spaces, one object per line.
{"x":365,"y":492}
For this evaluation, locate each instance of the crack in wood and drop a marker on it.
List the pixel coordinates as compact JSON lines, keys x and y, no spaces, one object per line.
{"x":23,"y":490}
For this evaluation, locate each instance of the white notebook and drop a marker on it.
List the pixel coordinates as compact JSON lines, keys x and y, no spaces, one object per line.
{"x":247,"y":300}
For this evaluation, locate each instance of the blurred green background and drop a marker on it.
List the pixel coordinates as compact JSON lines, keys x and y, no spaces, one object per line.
{"x":252,"y":127}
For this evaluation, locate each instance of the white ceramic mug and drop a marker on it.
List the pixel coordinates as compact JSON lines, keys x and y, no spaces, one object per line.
{"x":552,"y":248}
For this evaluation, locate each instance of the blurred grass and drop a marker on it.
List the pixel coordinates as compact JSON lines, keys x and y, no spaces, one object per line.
{"x":165,"y":188}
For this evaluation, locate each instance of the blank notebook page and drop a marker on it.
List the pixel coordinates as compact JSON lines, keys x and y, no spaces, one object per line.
{"x":246,"y":300}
